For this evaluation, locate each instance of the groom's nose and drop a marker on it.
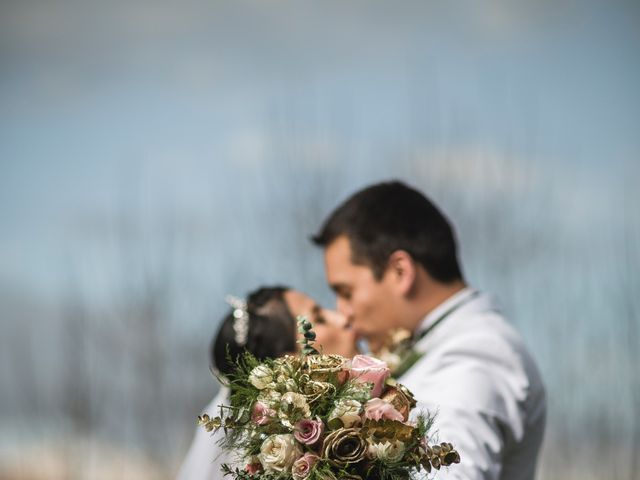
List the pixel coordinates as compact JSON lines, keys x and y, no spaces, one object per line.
{"x":345,"y":308}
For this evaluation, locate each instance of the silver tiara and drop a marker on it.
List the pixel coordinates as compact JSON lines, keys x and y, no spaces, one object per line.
{"x":240,"y":319}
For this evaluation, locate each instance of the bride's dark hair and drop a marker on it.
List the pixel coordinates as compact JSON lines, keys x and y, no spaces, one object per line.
{"x":271,"y":333}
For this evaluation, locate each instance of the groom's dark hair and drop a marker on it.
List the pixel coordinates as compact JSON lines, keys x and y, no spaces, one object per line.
{"x":390,"y":216}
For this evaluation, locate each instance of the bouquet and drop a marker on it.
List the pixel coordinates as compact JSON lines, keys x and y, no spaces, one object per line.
{"x":323,"y":417}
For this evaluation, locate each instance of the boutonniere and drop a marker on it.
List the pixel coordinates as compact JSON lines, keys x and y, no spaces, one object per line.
{"x":398,"y":352}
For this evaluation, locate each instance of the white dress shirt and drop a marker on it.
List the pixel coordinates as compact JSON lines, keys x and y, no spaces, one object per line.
{"x":205,"y":457}
{"x":485,"y":387}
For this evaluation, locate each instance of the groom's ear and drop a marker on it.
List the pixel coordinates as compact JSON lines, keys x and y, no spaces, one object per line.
{"x":402,"y":268}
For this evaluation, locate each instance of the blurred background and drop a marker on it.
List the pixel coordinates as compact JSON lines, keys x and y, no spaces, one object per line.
{"x":155,"y":155}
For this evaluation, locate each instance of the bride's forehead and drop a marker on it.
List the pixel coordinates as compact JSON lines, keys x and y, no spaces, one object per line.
{"x":298,"y":301}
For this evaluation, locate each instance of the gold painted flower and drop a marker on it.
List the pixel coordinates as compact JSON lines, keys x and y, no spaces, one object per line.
{"x":400,"y":397}
{"x":381,"y":430}
{"x":313,"y":390}
{"x":324,"y":367}
{"x":344,"y":446}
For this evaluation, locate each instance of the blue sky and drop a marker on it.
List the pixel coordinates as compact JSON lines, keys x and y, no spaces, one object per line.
{"x":168,"y":106}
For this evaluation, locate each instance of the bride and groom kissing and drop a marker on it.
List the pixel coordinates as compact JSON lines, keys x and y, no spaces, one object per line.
{"x":391,"y":258}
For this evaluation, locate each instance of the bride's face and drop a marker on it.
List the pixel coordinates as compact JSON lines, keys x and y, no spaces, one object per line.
{"x":333,"y":334}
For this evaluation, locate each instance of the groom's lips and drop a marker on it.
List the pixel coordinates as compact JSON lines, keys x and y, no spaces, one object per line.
{"x":359,"y":334}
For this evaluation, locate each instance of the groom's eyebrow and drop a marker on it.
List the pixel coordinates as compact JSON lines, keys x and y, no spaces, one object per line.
{"x":338,"y":287}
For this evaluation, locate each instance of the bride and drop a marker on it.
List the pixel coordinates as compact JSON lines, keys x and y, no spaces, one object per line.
{"x":265,"y":325}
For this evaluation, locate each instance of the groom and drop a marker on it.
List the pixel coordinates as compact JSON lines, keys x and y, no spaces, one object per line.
{"x":391,"y":258}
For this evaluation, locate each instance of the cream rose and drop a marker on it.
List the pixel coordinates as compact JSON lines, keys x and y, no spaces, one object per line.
{"x":386,"y":451}
{"x":278,"y":452}
{"x":347,"y":411}
{"x":292,"y":401}
{"x":261,"y":377}
{"x":293,"y":407}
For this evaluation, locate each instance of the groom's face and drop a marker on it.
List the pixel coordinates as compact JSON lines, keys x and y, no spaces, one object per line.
{"x":368,"y":303}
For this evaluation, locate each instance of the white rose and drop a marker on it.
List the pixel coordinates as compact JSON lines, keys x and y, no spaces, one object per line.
{"x":297,"y":401}
{"x":278,"y":452}
{"x":261,"y":377}
{"x":347,"y":411}
{"x":387,"y":451}
{"x":293,"y":406}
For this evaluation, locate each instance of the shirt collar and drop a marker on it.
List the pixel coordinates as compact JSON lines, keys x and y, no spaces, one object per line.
{"x":449,"y":304}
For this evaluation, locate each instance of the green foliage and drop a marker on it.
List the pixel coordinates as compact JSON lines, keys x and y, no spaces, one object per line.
{"x":325,"y":470}
{"x":308,"y":336}
{"x":424,"y":423}
{"x":243,"y":395}
{"x":389,"y":470}
{"x":238,"y":474}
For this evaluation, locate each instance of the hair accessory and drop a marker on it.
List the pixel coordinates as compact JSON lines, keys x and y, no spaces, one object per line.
{"x":240,"y":319}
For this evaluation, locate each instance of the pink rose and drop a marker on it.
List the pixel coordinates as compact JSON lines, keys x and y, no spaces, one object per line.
{"x":261,"y":414}
{"x":370,"y":370}
{"x":303,"y":465}
{"x":253,"y":468}
{"x":308,"y":431}
{"x":377,"y":409}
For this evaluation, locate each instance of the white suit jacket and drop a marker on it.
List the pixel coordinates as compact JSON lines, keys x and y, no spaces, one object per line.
{"x":488,"y":394}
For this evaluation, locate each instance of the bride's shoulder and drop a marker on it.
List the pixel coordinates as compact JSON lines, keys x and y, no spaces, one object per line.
{"x":221,"y":398}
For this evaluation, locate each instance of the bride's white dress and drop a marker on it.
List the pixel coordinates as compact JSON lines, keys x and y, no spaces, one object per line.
{"x":205,"y":458}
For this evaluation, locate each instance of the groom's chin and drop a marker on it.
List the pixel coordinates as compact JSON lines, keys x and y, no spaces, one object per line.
{"x":375,"y":342}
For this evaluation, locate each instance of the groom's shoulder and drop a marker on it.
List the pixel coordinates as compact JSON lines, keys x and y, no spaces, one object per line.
{"x":484,"y":318}
{"x":487,"y":358}
{"x":482,"y":335}
{"x":491,"y":332}
{"x":490,"y":339}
